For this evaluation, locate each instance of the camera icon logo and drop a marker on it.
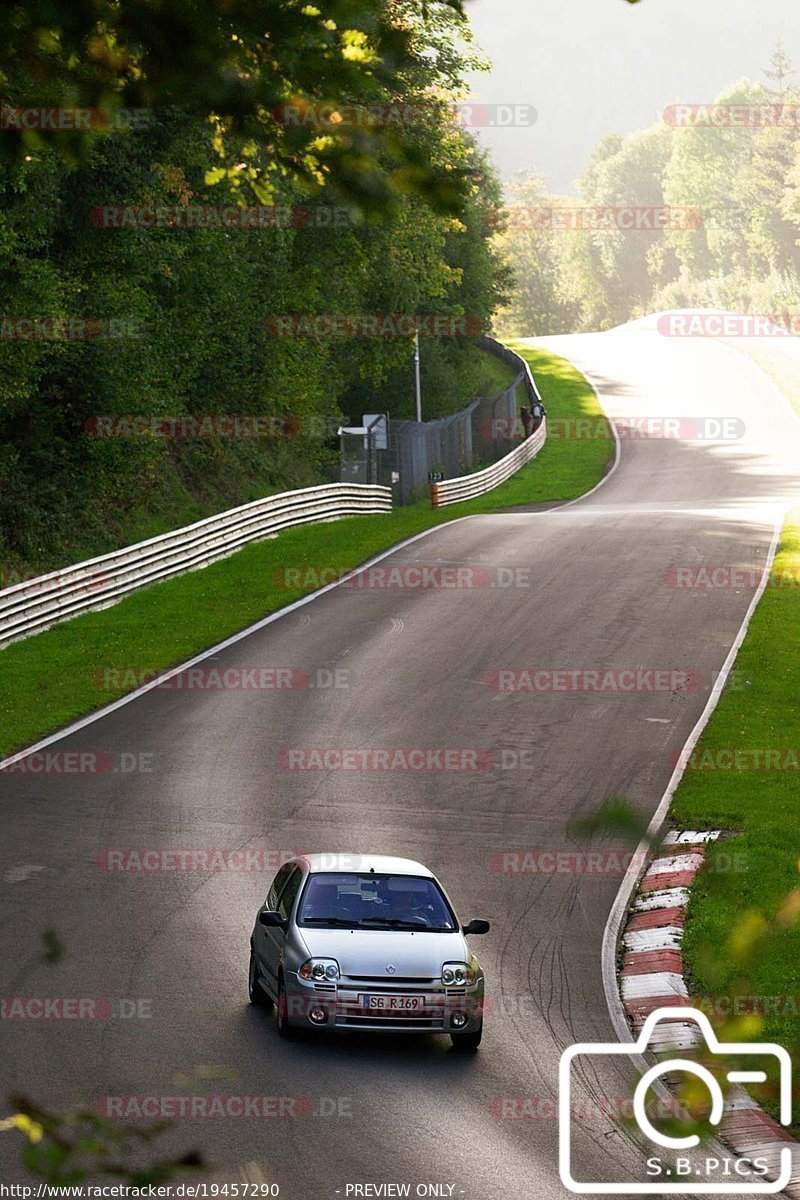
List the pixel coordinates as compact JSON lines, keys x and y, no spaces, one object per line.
{"x":689,"y":1183}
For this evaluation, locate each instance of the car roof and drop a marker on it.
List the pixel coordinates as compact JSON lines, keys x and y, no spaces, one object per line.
{"x":381,"y":864}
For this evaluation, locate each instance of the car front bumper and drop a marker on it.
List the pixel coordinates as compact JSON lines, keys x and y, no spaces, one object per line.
{"x":446,"y":1010}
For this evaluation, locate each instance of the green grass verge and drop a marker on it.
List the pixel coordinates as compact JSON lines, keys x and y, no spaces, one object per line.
{"x":57,"y":676}
{"x":495,"y":375}
{"x":742,"y":938}
{"x":782,"y":370}
{"x":197,"y":480}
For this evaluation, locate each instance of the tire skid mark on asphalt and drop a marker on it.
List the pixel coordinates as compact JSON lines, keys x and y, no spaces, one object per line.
{"x":745,"y":1127}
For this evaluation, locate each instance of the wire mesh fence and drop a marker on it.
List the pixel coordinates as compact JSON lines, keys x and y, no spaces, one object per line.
{"x":408,"y":455}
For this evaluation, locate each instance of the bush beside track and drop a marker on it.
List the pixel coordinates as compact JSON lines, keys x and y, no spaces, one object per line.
{"x":52,"y":678}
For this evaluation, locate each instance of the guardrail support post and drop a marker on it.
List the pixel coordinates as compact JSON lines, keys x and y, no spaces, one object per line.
{"x":36,"y":604}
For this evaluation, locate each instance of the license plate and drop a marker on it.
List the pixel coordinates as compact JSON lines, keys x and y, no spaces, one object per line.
{"x":392,"y":1004}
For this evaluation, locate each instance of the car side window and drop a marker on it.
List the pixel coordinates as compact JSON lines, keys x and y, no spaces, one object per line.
{"x":286,"y":902}
{"x":277,"y":885}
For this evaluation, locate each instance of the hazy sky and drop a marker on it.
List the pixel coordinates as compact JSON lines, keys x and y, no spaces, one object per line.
{"x":592,"y":67}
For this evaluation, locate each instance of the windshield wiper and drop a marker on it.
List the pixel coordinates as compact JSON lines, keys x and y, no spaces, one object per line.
{"x":396,"y":922}
{"x":347,"y":922}
{"x":387,"y":922}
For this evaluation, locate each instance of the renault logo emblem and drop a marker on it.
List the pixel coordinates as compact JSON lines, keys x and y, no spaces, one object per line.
{"x":390,"y":969}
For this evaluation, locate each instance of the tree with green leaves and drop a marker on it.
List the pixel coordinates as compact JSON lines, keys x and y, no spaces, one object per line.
{"x":780,"y":70}
{"x":312,"y":92}
{"x":196,"y":301}
{"x":535,"y":252}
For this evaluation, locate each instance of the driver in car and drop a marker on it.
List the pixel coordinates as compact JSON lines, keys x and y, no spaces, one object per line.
{"x":409,"y":905}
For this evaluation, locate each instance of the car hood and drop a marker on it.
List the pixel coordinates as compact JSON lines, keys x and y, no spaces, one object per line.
{"x":370,"y":951}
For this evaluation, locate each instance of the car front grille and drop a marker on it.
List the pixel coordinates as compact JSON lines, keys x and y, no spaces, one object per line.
{"x":389,"y":979}
{"x":350,"y":1012}
{"x":399,"y":1021}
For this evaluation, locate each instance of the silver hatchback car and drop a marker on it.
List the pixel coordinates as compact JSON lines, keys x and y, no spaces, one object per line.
{"x":354,"y":942}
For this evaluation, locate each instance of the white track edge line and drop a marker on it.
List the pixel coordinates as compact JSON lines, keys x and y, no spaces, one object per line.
{"x":617,"y":445}
{"x":616,"y":918}
{"x":170,"y":673}
{"x":612,"y":933}
{"x":776,"y":388}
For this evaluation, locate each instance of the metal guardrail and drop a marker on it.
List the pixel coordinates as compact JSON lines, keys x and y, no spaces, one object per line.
{"x":450,"y":491}
{"x":36,"y":604}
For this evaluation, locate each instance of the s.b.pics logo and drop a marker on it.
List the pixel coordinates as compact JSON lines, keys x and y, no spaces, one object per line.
{"x":678,"y":1162}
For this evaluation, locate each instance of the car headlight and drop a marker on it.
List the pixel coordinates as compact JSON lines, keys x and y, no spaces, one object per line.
{"x":457,"y":974}
{"x":319,"y":969}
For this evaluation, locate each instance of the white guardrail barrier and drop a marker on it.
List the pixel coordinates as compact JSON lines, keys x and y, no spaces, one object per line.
{"x":450,"y":491}
{"x":37,"y":604}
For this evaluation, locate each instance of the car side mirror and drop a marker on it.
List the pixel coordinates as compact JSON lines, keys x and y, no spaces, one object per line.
{"x":476,"y":927}
{"x":272,"y":920}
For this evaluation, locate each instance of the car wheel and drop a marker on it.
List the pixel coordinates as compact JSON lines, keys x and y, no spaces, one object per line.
{"x":254,"y":989}
{"x":467,"y":1043}
{"x":285,"y":1030}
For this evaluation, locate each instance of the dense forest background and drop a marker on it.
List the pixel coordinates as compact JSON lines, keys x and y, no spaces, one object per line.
{"x":371,"y":221}
{"x":731,"y":241}
{"x":391,"y":216}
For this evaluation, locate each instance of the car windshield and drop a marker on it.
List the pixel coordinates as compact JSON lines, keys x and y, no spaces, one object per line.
{"x":374,"y":901}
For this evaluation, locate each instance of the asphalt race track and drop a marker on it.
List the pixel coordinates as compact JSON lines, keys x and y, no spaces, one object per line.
{"x":591,"y":589}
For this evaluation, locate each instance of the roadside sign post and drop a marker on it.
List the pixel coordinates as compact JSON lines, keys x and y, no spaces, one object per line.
{"x":376,"y":429}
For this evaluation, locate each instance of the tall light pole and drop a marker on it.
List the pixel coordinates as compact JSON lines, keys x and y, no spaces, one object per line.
{"x":416,"y":373}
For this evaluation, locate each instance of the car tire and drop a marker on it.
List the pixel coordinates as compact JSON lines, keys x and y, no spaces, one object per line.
{"x":467,"y":1043}
{"x":254,"y":989}
{"x":285,"y":1029}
